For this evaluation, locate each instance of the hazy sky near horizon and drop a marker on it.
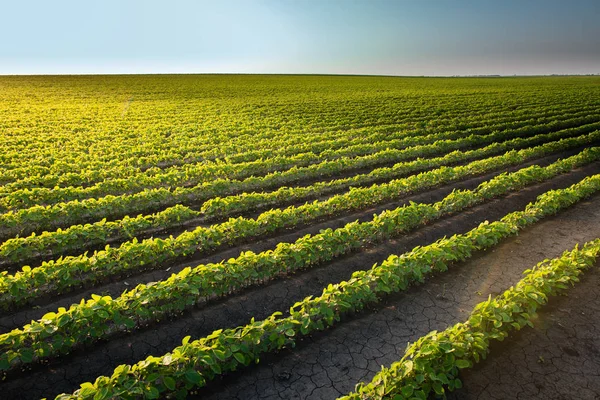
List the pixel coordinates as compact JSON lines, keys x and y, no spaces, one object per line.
{"x":401,"y":37}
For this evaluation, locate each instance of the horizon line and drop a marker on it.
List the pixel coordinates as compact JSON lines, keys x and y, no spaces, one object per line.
{"x":301,"y":74}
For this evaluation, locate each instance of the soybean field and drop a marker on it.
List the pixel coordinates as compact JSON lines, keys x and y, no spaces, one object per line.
{"x":299,"y":237}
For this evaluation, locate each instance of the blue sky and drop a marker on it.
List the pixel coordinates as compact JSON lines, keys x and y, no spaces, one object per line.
{"x":401,"y":37}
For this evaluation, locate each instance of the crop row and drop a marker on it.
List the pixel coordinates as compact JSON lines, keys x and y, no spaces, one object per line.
{"x":270,"y":146}
{"x":65,"y":274}
{"x":153,"y":135}
{"x":148,"y":149}
{"x":182,"y":148}
{"x":232,"y":153}
{"x":101,"y":317}
{"x":432,"y":363}
{"x":62,"y":215}
{"x":42,"y":176}
{"x":195,"y":362}
{"x":63,"y":242}
{"x":197,"y":174}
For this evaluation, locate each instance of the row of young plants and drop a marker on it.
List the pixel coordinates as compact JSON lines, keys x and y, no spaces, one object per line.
{"x":288,"y":144}
{"x":232,"y":145}
{"x":197,"y":148}
{"x":90,"y":175}
{"x":62,"y":215}
{"x":132,"y":154}
{"x":473,"y":120}
{"x":101,"y":317}
{"x":77,"y":237}
{"x":240,"y":204}
{"x":110,"y":140}
{"x":196,"y":174}
{"x":66,"y":274}
{"x":194,"y":363}
{"x":431,"y":365}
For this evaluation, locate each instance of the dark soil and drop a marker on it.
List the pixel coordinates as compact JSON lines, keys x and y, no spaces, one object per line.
{"x":338,"y":358}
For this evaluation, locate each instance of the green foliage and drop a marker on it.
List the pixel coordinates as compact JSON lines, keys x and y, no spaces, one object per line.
{"x":430,"y":365}
{"x":67,"y":273}
{"x":88,"y":161}
{"x":277,"y":172}
{"x":101,"y":316}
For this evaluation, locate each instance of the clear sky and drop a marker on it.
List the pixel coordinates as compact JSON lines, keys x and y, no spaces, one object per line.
{"x":392,"y":37}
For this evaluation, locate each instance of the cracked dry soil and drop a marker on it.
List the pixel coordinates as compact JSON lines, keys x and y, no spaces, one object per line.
{"x":559,"y":358}
{"x":330,"y":363}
